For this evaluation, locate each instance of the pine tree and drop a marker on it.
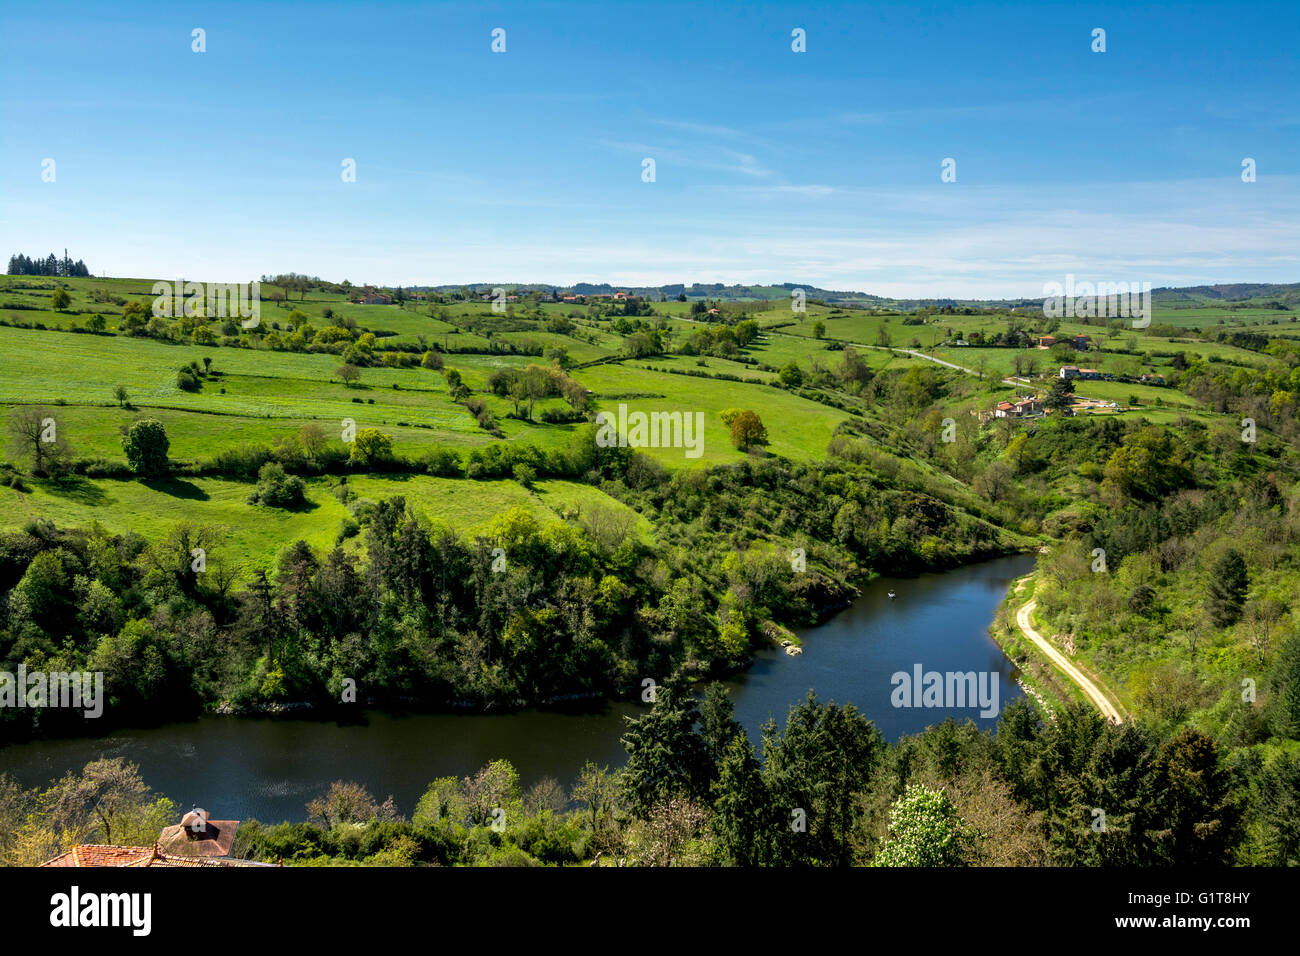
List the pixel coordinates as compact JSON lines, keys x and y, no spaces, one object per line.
{"x":1061,"y":396}
{"x":1227,"y":589}
{"x":665,"y":756}
{"x":1194,"y":801}
{"x":744,"y":818}
{"x":1283,"y":706}
{"x":818,"y":765}
{"x":718,"y":726}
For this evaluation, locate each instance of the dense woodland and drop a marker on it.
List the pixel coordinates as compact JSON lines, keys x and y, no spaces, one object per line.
{"x":527,"y":612}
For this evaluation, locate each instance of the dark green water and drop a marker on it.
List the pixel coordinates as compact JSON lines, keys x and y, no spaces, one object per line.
{"x":269,"y":768}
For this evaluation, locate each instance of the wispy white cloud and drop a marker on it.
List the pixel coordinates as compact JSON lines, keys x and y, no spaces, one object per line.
{"x":702,"y":129}
{"x":1009,"y":108}
{"x":704,"y":158}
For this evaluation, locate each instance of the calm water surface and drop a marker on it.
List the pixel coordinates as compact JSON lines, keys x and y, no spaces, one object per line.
{"x":269,"y":768}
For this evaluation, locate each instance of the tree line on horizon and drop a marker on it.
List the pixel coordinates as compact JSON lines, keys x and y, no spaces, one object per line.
{"x":51,"y":265}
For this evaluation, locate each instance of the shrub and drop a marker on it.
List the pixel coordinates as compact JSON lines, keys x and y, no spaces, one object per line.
{"x":482,"y":414}
{"x":444,"y":463}
{"x":371,"y":446}
{"x":276,"y":489}
{"x":560,"y":416}
{"x":242,"y":461}
{"x":348,"y":529}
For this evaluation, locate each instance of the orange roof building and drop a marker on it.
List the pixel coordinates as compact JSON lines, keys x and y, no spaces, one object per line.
{"x":197,"y":836}
{"x":89,"y":854}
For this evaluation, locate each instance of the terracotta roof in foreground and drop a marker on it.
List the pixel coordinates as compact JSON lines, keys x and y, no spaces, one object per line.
{"x":93,"y":854}
{"x":101,"y":855}
{"x":215,"y":839}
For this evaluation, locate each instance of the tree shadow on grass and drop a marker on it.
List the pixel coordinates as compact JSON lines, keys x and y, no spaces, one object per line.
{"x":387,"y":475}
{"x":176,"y":488}
{"x":75,"y":488}
{"x":306,"y":506}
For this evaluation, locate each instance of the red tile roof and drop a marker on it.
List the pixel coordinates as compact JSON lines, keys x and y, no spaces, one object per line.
{"x":101,"y":855}
{"x":215,"y":839}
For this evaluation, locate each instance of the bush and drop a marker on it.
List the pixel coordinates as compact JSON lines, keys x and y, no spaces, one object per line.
{"x":371,"y":447}
{"x":560,"y":416}
{"x":552,"y":840}
{"x":482,"y":414}
{"x":242,"y":461}
{"x":349,"y":528}
{"x":277,"y":489}
{"x":443,"y":462}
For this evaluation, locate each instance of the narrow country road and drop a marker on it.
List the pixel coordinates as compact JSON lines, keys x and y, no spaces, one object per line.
{"x":1089,"y":688}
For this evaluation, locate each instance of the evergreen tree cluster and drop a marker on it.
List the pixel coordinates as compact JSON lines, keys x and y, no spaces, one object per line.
{"x":51,"y":265}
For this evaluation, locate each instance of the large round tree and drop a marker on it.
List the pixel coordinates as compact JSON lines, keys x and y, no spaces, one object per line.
{"x":748,"y":429}
{"x":146,"y":447}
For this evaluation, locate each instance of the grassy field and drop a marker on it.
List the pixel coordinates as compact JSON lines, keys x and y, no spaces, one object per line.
{"x":258,"y":395}
{"x":261,"y":394}
{"x":1210,"y":316}
{"x":798,"y":428}
{"x":253,"y":536}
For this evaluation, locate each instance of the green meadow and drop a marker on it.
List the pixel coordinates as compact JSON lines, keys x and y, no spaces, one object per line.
{"x":252,"y":535}
{"x":797,"y":428}
{"x":258,"y":396}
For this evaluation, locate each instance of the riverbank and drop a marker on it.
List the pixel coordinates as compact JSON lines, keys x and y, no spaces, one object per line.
{"x":269,"y":767}
{"x":1051,"y":678}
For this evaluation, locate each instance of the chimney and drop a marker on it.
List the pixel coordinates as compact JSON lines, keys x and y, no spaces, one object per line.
{"x":196,"y":821}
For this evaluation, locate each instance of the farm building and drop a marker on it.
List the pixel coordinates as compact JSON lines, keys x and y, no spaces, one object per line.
{"x":1073,"y":371}
{"x":1023,"y":408}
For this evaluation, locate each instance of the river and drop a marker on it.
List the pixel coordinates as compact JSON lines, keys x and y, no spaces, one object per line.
{"x":268,"y":768}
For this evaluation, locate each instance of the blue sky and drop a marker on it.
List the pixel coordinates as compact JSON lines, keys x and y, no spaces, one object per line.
{"x":820,"y":167}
